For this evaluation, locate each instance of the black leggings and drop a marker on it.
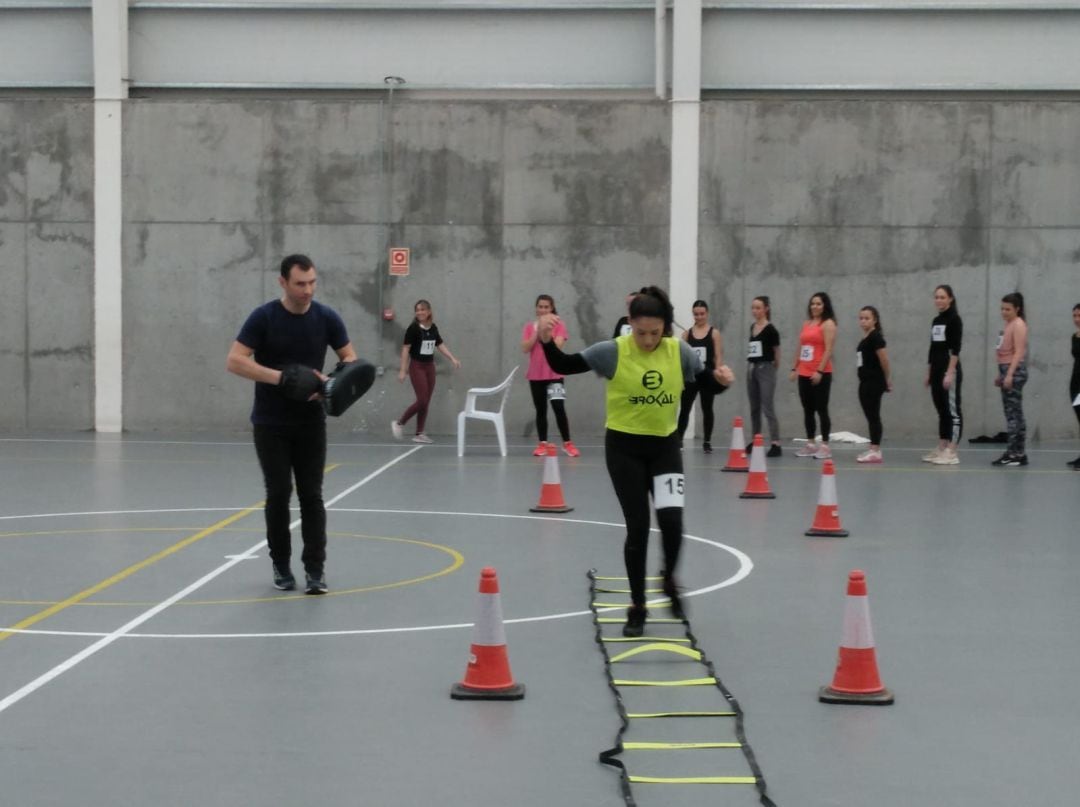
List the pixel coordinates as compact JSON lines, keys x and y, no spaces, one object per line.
{"x":870,"y":393}
{"x":815,"y":400}
{"x":540,"y":401}
{"x":947,"y":403}
{"x":285,"y":452}
{"x":687,"y":406}
{"x":633,"y":462}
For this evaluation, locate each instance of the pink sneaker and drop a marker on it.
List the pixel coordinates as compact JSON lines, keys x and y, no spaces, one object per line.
{"x":540,"y":450}
{"x":870,"y":456}
{"x":570,"y":449}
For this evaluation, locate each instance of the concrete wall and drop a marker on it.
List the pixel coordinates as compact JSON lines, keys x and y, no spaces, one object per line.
{"x":874,"y":201}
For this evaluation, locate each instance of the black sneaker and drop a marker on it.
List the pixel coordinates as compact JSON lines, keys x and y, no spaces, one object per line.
{"x":671,"y":591}
{"x":707,"y":447}
{"x":283,"y":578}
{"x":774,"y":451}
{"x":316,"y":583}
{"x":1074,"y":464}
{"x":1011,"y":459}
{"x":635,"y":621}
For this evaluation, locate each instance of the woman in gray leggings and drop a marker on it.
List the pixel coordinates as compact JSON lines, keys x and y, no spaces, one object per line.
{"x":763,"y":357}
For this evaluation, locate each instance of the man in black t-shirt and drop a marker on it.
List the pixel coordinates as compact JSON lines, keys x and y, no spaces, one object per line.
{"x":282,"y":348}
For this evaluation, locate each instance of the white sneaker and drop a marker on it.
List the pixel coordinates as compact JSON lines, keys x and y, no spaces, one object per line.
{"x":395,"y":428}
{"x":869,"y":455}
{"x":808,"y":450}
{"x":932,"y":455}
{"x":422,"y":438}
{"x":946,"y":457}
{"x":823,"y":453}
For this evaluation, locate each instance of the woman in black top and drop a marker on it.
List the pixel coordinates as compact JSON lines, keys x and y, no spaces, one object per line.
{"x":763,"y":359}
{"x":874,"y":378}
{"x":944,"y":376}
{"x":1074,"y":382}
{"x":421,"y":341}
{"x":708,"y":345}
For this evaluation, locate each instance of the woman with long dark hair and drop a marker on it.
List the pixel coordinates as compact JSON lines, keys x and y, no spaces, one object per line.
{"x":545,"y":384}
{"x":706,"y":341}
{"x":762,"y":361}
{"x":944,"y":376}
{"x":1011,"y":352}
{"x":422,"y":339}
{"x":874,"y":378}
{"x":813,"y":369}
{"x":646,"y":372}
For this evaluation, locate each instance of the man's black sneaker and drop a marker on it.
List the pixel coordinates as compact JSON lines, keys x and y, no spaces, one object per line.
{"x":707,"y":447}
{"x":283,"y":578}
{"x":774,"y":451}
{"x":316,"y":583}
{"x":1011,"y":459}
{"x":635,"y":621}
{"x":671,"y":591}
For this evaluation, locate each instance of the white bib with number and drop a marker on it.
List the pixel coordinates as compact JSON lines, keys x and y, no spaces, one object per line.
{"x":556,"y":391}
{"x":1000,"y":341}
{"x":427,"y":347}
{"x":669,"y":490}
{"x":858,"y":358}
{"x":806,"y":353}
{"x":625,"y":330}
{"x":701,"y":353}
{"x":753,"y":349}
{"x":937,"y":333}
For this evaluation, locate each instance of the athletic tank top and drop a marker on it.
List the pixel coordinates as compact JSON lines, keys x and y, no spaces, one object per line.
{"x":643,"y":395}
{"x":704,"y":347}
{"x":811,"y":349}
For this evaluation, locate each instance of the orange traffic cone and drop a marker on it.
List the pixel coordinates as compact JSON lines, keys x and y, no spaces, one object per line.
{"x":757,"y":483}
{"x":551,"y":495}
{"x":856,"y":679}
{"x":827,"y":515}
{"x":487,"y":676}
{"x":736,"y":458}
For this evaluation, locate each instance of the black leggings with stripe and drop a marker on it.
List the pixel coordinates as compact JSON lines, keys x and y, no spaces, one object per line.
{"x":633,"y":461}
{"x":947,"y":403}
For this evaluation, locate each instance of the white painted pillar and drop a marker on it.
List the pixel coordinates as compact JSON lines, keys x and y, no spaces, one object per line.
{"x":685,"y":159}
{"x":110,"y":22}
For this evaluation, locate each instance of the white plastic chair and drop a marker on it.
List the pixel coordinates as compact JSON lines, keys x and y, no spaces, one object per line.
{"x":495,"y":416}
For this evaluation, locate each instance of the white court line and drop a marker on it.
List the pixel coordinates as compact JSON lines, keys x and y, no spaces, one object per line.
{"x":123,"y":630}
{"x":746,"y":565}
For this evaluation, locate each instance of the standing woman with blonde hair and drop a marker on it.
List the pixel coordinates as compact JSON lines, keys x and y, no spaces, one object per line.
{"x":1011,"y":353}
{"x":813,"y":369}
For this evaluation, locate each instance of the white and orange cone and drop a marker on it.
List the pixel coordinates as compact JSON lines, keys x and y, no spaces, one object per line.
{"x":736,"y":458}
{"x":487,"y":675}
{"x":551,"y":495}
{"x":827,"y":515}
{"x":757,"y":482}
{"x":856,"y":679}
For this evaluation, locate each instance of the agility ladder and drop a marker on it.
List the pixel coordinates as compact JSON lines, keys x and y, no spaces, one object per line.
{"x":688,"y":648}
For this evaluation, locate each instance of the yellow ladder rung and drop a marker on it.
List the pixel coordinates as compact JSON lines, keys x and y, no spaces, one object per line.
{"x":694,"y":780}
{"x":660,"y":620}
{"x":651,"y":746}
{"x":689,"y":682}
{"x":672,"y":639}
{"x":648,"y":715}
{"x":657,"y":647}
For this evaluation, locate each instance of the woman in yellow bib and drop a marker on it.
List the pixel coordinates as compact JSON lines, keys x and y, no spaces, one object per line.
{"x":646,"y":372}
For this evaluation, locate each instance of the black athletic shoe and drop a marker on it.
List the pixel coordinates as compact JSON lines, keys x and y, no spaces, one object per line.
{"x":635,"y":621}
{"x":1074,"y":464}
{"x":774,"y":451}
{"x":671,"y":591}
{"x":316,"y":583}
{"x":706,"y":447}
{"x":283,"y":578}
{"x":1011,"y":459}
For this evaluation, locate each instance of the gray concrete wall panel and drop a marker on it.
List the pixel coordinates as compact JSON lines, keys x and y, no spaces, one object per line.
{"x":14,"y":310}
{"x":59,"y":287}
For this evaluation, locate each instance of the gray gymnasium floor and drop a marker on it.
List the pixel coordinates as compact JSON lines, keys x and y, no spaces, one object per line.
{"x":155,"y":664}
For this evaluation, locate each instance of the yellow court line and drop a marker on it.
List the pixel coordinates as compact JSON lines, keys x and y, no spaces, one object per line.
{"x":130,"y":570}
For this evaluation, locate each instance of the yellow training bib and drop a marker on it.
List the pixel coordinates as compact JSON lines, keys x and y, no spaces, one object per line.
{"x":643,"y":397}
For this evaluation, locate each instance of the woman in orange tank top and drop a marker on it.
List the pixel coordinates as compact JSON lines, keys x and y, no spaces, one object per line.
{"x":813,"y":369}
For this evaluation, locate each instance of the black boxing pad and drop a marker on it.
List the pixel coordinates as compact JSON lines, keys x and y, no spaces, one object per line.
{"x":299,"y":383}
{"x":348,"y":382}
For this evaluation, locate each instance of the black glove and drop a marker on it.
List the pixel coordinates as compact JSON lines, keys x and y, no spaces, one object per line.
{"x":299,"y":383}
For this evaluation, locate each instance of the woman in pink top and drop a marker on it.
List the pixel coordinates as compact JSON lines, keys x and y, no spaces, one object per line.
{"x":813,"y":368}
{"x":1012,"y":375}
{"x":546,"y":385}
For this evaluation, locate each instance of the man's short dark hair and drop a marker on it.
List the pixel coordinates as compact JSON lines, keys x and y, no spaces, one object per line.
{"x":303,"y":261}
